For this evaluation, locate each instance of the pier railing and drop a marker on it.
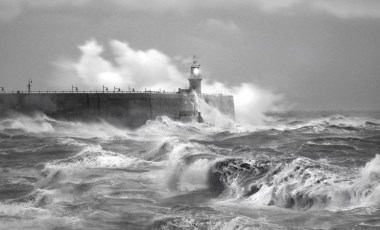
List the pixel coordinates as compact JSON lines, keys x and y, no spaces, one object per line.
{"x":82,"y":91}
{"x":96,"y":92}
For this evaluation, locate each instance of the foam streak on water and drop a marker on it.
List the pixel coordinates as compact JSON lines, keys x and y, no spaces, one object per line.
{"x":298,"y":171}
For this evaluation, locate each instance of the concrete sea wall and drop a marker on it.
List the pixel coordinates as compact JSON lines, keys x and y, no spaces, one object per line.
{"x":129,"y":109}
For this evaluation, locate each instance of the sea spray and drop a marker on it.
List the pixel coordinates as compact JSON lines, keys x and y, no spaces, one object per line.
{"x":41,"y":124}
{"x":212,"y":115}
{"x":38,"y":123}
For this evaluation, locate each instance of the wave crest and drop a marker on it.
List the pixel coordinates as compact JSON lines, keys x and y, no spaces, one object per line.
{"x":337,"y":124}
{"x":302,"y":183}
{"x":95,"y":157}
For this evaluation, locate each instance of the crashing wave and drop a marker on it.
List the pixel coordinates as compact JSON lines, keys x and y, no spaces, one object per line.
{"x":300,"y":184}
{"x":41,"y":124}
{"x":187,"y":166}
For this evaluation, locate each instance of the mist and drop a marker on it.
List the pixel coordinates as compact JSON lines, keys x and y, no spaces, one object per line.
{"x":140,"y":70}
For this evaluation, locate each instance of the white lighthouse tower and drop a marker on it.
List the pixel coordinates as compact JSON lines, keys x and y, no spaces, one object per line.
{"x":195,"y":78}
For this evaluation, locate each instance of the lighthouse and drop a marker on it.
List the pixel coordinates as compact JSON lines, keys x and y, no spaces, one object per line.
{"x":195,"y":77}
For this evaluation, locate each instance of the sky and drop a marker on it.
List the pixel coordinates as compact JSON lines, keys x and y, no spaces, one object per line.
{"x":305,"y":54}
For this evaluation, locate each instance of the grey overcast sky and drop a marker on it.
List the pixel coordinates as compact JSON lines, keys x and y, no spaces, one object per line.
{"x":319,"y":54}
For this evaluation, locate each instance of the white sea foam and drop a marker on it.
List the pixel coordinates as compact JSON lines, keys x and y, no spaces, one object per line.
{"x":69,"y":141}
{"x":42,"y":124}
{"x":305,"y":183}
{"x":95,"y":157}
{"x":194,"y":176}
{"x":25,"y":216}
{"x":34,"y":124}
{"x":335,"y":123}
{"x":28,"y":214}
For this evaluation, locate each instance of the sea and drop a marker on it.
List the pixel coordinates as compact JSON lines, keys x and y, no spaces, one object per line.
{"x":297,"y":170}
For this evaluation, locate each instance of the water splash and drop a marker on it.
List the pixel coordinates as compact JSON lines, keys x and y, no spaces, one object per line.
{"x":300,"y":184}
{"x":39,"y":123}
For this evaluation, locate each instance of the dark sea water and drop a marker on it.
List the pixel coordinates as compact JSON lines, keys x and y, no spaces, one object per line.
{"x":301,"y":171}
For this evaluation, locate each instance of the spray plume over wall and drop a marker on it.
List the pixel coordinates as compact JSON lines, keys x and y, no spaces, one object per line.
{"x":154,"y":70}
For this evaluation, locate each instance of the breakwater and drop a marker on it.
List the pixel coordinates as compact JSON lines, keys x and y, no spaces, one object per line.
{"x":131,"y":109}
